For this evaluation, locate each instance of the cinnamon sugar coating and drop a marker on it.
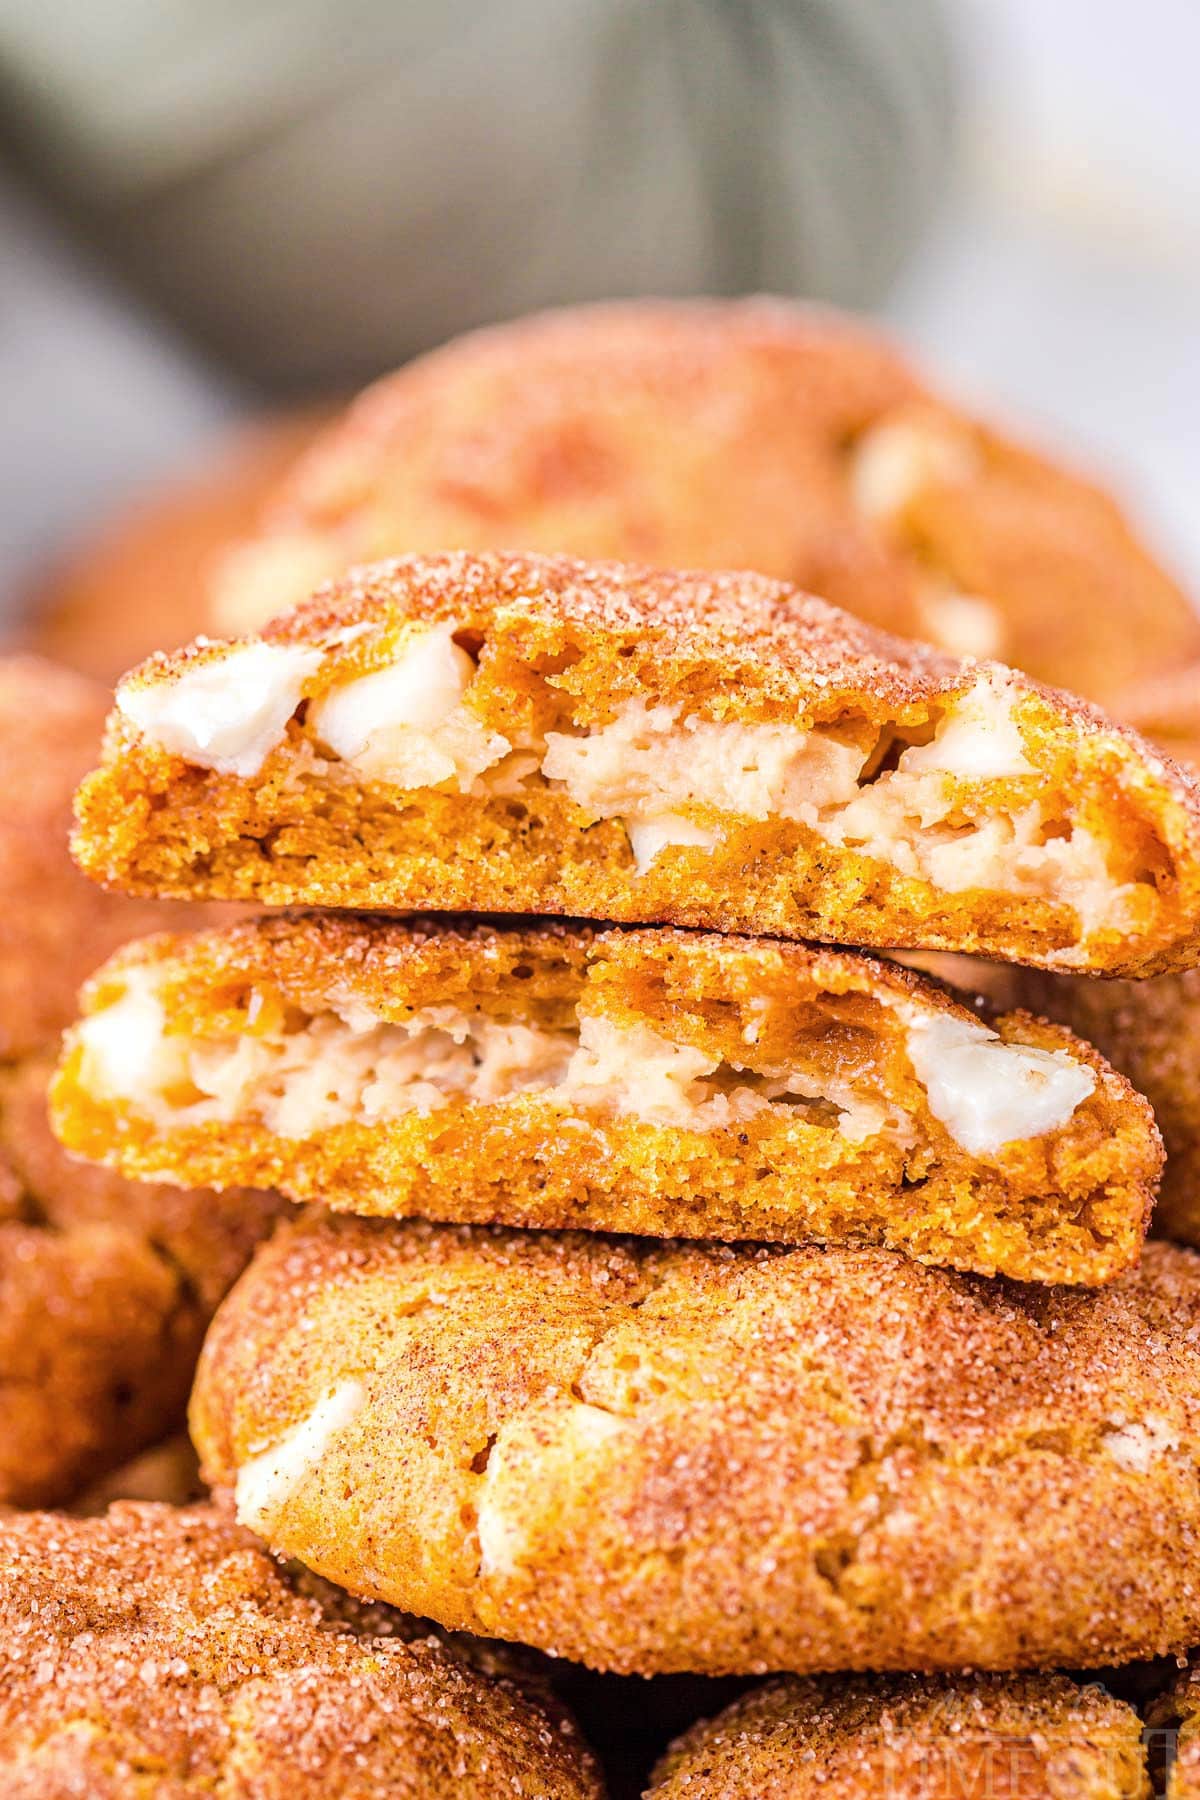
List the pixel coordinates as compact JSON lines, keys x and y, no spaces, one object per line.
{"x":726,"y":435}
{"x":106,"y":1289}
{"x":55,"y":927}
{"x":863,"y":1159}
{"x":565,"y":646}
{"x":975,"y":1737}
{"x":160,"y":1654}
{"x":730,"y":1460}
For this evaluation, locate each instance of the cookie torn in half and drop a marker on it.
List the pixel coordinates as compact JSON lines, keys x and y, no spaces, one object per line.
{"x":912,"y":1737}
{"x":517,"y":734}
{"x":655,"y":1081}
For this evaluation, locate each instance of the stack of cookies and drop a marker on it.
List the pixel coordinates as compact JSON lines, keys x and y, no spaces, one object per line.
{"x":697,"y":1276}
{"x":772,"y":1426}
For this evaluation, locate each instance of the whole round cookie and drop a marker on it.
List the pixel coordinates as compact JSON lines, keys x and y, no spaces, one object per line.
{"x":730,"y":1459}
{"x":709,"y":434}
{"x":106,"y":1290}
{"x":912,"y":1737}
{"x":55,"y":926}
{"x":160,"y":1654}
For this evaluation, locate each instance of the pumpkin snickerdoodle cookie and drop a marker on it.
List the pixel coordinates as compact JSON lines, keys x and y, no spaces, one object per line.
{"x":723,"y":1459}
{"x":106,"y":1286}
{"x":514,"y":734}
{"x":912,"y":1737}
{"x":106,"y":1290}
{"x":709,"y":434}
{"x":159,"y":1651}
{"x":55,"y":927}
{"x":656,"y":1081}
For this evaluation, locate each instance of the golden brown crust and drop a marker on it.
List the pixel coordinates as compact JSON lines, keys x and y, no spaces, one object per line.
{"x":142,"y":581}
{"x":55,"y":927}
{"x":106,"y":1289}
{"x":157,"y":1654}
{"x":718,"y":435}
{"x":732,"y":647}
{"x":653,"y":1457}
{"x":976,"y":1737}
{"x":1173,"y":1735}
{"x":1151,"y":1031}
{"x":1069,"y":1206}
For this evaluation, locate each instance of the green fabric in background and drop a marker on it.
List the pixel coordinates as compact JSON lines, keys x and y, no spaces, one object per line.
{"x":316,"y":190}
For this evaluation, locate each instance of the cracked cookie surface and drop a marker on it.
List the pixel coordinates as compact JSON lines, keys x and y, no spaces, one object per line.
{"x":725,"y":1459}
{"x":160,"y":1654}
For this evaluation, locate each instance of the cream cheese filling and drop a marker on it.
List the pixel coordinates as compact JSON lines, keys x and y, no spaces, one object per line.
{"x":653,"y":770}
{"x":227,"y":713}
{"x":267,"y":1481}
{"x":988,"y":1093}
{"x":341,"y":1066}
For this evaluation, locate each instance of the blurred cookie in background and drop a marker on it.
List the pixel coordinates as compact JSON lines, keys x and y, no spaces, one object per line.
{"x":140,"y":581}
{"x":1166,"y":707}
{"x":749,"y":434}
{"x":168,"y":1473}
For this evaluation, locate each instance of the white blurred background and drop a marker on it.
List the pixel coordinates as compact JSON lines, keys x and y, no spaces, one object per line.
{"x":1062,"y":284}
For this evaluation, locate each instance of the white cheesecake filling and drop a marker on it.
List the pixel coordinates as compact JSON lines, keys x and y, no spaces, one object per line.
{"x":650,"y":836}
{"x":266,"y":1482}
{"x":406,"y":723}
{"x":334,"y":1068}
{"x":228,"y":713}
{"x":411,"y":724}
{"x":1137,"y":1443}
{"x":988,"y":1093}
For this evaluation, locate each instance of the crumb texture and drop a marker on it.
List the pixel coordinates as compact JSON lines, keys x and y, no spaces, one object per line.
{"x":1052,"y":838}
{"x":662,"y":1082}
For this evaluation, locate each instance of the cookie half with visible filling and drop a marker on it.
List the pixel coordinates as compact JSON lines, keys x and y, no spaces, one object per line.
{"x":912,"y":1737}
{"x":655,"y":1081}
{"x":725,"y":1459}
{"x":55,"y":928}
{"x":161,"y":1652}
{"x":510,"y":734}
{"x":714,"y":434}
